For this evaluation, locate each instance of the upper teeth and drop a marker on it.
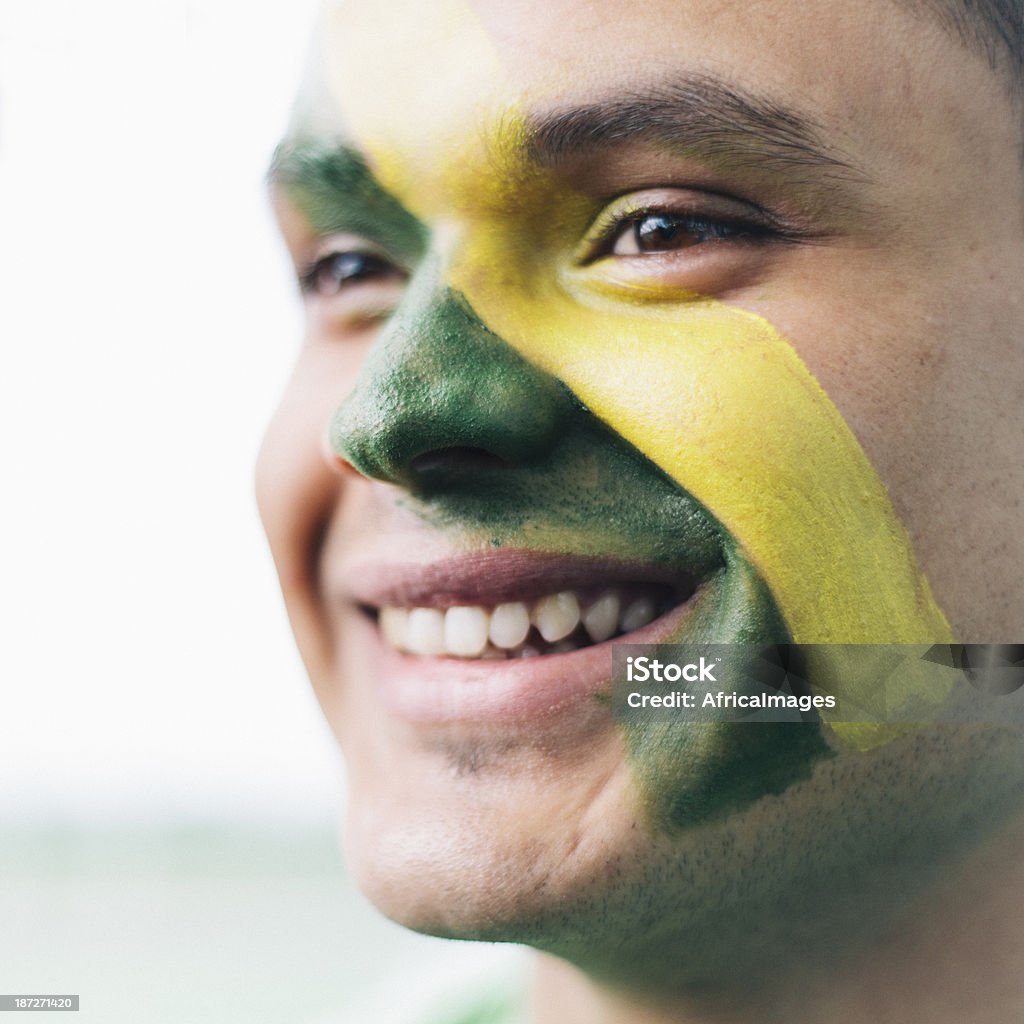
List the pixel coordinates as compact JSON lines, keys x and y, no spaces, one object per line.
{"x":471,"y":631}
{"x":601,"y":619}
{"x":509,"y":624}
{"x":556,"y":616}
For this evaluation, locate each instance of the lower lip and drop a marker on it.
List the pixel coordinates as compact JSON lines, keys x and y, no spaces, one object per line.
{"x":517,"y":691}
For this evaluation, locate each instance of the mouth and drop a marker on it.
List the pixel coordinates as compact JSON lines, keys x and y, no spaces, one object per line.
{"x":463,"y":620}
{"x":511,"y":605}
{"x":511,"y":634}
{"x":557,"y":622}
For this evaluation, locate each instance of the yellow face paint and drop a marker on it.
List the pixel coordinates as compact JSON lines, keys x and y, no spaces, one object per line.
{"x":713,"y":395}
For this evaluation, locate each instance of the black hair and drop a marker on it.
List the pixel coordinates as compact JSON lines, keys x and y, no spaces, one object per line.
{"x":993,"y":27}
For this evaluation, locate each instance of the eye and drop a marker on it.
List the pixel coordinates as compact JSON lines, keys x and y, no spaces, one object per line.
{"x":660,"y":222}
{"x":339,"y":270}
{"x":658,"y":232}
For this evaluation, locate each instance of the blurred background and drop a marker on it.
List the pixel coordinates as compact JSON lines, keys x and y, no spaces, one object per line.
{"x":168,"y":792}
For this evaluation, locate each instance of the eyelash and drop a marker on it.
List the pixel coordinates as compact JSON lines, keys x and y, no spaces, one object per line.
{"x":368,"y":266}
{"x":701,"y":228}
{"x":364,"y":267}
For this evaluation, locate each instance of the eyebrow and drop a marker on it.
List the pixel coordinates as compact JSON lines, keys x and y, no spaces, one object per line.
{"x":336,"y":190}
{"x":315,"y":163}
{"x":706,"y":117}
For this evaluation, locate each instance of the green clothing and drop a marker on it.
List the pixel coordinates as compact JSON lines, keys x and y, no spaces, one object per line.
{"x":505,"y":1007}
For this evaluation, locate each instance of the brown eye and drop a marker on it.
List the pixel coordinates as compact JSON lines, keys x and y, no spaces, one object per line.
{"x":665,"y":232}
{"x":337,"y":270}
{"x":659,"y":232}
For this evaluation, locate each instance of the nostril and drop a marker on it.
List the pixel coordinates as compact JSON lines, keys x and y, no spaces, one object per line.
{"x":453,"y":460}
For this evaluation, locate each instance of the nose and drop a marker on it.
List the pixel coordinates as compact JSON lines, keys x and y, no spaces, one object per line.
{"x":440,"y":395}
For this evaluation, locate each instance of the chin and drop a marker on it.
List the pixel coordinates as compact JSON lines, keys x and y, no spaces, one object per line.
{"x":495,"y":859}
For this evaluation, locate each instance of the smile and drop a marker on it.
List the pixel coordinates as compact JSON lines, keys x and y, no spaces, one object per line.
{"x":555,"y":623}
{"x":513,"y":605}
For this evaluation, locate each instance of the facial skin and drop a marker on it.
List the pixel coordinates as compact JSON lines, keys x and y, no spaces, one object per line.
{"x":809,"y":413}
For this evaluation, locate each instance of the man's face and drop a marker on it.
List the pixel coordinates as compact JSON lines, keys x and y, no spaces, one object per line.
{"x":699,"y":313}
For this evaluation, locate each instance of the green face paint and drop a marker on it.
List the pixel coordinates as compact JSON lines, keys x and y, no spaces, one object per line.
{"x":697,"y":773}
{"x":644,"y":422}
{"x":338,"y":194}
{"x":562,"y":482}
{"x":713,"y":395}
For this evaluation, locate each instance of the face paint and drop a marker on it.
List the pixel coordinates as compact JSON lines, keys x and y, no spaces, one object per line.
{"x":338,"y":194}
{"x":437,"y":375}
{"x":711,"y":394}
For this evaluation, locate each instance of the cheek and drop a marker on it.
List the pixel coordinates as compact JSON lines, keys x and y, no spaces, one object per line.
{"x":294,"y":487}
{"x":719,"y":400}
{"x":297,"y":488}
{"x":877,"y":340}
{"x":714,"y":396}
{"x":297,"y":479}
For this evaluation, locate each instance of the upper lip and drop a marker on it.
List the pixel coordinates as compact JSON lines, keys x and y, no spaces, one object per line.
{"x":492,"y":577}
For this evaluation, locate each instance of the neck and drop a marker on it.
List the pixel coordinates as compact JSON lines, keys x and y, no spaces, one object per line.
{"x":951,"y":955}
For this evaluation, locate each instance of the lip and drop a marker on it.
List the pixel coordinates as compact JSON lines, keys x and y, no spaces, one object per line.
{"x":516,"y":692}
{"x":489,"y":578}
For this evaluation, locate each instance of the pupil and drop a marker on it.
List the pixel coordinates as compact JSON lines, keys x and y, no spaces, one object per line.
{"x":657,"y":232}
{"x":341,"y":268}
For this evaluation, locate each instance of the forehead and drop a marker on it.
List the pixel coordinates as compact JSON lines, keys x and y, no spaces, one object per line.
{"x":424,"y":75}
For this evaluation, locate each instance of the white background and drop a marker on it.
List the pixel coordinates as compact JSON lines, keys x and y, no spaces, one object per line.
{"x":147,"y":322}
{"x":168,"y":790}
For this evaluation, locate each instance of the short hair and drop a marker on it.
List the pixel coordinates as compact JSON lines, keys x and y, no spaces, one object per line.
{"x":995,"y":28}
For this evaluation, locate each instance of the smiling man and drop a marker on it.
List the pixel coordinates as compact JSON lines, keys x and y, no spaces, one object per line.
{"x":655,"y":322}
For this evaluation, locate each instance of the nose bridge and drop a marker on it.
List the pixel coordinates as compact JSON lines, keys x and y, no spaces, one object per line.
{"x":438,"y":380}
